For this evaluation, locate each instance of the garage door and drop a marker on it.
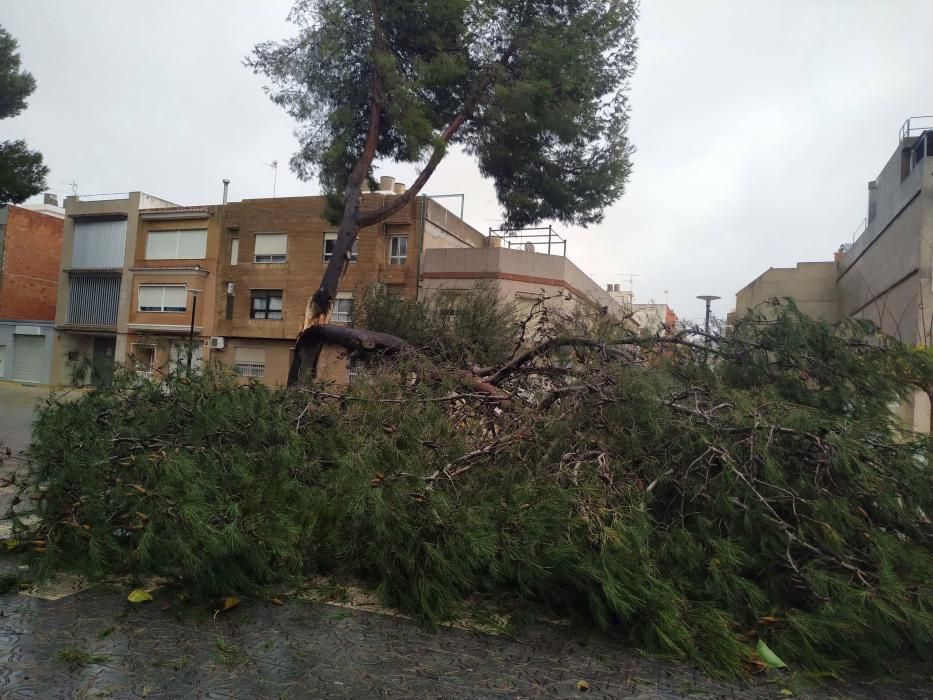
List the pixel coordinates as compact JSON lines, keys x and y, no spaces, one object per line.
{"x":27,"y":357}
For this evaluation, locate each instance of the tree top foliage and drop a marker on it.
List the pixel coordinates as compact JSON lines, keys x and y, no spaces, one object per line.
{"x":15,"y":84}
{"x":535,"y":90}
{"x":22,"y":172}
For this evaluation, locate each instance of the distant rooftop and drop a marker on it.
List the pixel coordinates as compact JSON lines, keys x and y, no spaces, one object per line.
{"x":915,"y":126}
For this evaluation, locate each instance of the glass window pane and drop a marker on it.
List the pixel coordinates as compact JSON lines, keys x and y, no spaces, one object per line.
{"x":192,"y":244}
{"x":161,"y":245}
{"x":175,"y":298}
{"x":275,"y":303}
{"x":150,"y":298}
{"x":271,"y":243}
{"x":329,"y":239}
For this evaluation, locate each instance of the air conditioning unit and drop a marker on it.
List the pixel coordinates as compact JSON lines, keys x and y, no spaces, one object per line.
{"x":217,"y":342}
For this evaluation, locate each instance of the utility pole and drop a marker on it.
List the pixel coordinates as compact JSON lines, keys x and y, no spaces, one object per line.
{"x":194,"y":306}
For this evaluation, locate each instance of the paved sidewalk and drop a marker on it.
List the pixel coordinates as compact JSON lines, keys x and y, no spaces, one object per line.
{"x":311,"y":650}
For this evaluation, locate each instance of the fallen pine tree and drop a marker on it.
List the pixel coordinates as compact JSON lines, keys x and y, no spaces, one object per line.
{"x":691,"y":494}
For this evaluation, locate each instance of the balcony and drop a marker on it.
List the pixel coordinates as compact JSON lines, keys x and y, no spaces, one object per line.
{"x":93,"y":300}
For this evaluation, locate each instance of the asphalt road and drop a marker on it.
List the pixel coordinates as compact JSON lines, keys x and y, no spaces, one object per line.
{"x":16,"y":406}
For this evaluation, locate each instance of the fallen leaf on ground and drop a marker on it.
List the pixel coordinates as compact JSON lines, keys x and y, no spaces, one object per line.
{"x":583,"y":686}
{"x":769,"y":657}
{"x":138,"y":595}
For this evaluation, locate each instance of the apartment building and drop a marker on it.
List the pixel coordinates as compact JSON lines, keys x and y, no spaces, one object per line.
{"x":886,"y":274}
{"x":143,"y":279}
{"x":30,"y":254}
{"x":131,"y":268}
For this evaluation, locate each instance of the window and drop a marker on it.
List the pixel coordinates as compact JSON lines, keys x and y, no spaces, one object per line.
{"x":265,"y":304}
{"x":343,"y":308}
{"x":178,"y":355}
{"x":93,"y":300}
{"x":98,"y":245}
{"x":270,"y":247}
{"x":398,"y":250}
{"x":234,"y":250}
{"x":188,"y":244}
{"x":356,"y":367}
{"x":330,"y":239}
{"x":163,"y":297}
{"x":230,"y":298}
{"x":250,"y":362}
{"x":144,"y":360}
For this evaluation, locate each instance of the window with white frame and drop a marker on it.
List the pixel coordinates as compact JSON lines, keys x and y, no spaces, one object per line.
{"x":185,"y":244}
{"x":343,"y":308}
{"x":163,"y":297}
{"x":144,"y":359}
{"x":330,"y":240}
{"x":234,"y":250}
{"x":270,"y":248}
{"x":265,"y":304}
{"x":398,"y":250}
{"x":250,"y":362}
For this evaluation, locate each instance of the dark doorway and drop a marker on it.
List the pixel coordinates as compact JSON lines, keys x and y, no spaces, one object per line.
{"x":102,"y":365}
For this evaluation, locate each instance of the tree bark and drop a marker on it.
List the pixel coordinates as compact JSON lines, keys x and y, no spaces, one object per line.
{"x":307,"y":352}
{"x":308,"y":346}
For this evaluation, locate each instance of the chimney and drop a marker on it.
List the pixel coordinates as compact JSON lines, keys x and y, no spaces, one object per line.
{"x":226,"y":185}
{"x":49,"y":198}
{"x":399,"y":188}
{"x":608,"y":287}
{"x":386,"y":183}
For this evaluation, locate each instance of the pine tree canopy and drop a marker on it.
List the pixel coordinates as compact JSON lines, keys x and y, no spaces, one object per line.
{"x":22,"y":173}
{"x":535,"y":90}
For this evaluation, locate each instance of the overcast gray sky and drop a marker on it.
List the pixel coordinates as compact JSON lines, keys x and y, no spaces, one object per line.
{"x":757,"y":124}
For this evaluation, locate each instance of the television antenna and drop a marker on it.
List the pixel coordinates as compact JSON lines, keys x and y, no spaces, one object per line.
{"x":631,"y":280}
{"x":275,"y":174}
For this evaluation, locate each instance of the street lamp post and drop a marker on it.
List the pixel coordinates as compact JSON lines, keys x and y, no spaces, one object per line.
{"x":194,"y":306}
{"x":708,"y":298}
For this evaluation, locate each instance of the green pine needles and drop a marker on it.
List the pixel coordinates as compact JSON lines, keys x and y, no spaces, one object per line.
{"x":693,"y":499}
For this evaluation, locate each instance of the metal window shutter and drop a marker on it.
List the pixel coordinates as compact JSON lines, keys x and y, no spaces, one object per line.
{"x":27,"y":357}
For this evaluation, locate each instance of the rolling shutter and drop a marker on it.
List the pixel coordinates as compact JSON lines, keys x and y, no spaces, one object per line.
{"x":27,"y":357}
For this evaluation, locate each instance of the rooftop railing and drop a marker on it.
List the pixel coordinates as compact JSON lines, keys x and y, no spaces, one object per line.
{"x":914,"y":126}
{"x":538,"y":240}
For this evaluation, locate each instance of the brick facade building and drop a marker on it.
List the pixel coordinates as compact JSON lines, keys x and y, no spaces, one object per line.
{"x":30,"y":256}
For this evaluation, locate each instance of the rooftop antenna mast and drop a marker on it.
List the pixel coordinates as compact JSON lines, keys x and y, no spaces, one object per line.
{"x":631,"y":281}
{"x":74,"y":188}
{"x":275,"y":174}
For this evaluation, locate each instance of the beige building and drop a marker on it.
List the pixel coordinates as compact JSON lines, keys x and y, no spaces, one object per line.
{"x":886,"y":274}
{"x":812,"y":286}
{"x":95,"y":291}
{"x":143,"y":280}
